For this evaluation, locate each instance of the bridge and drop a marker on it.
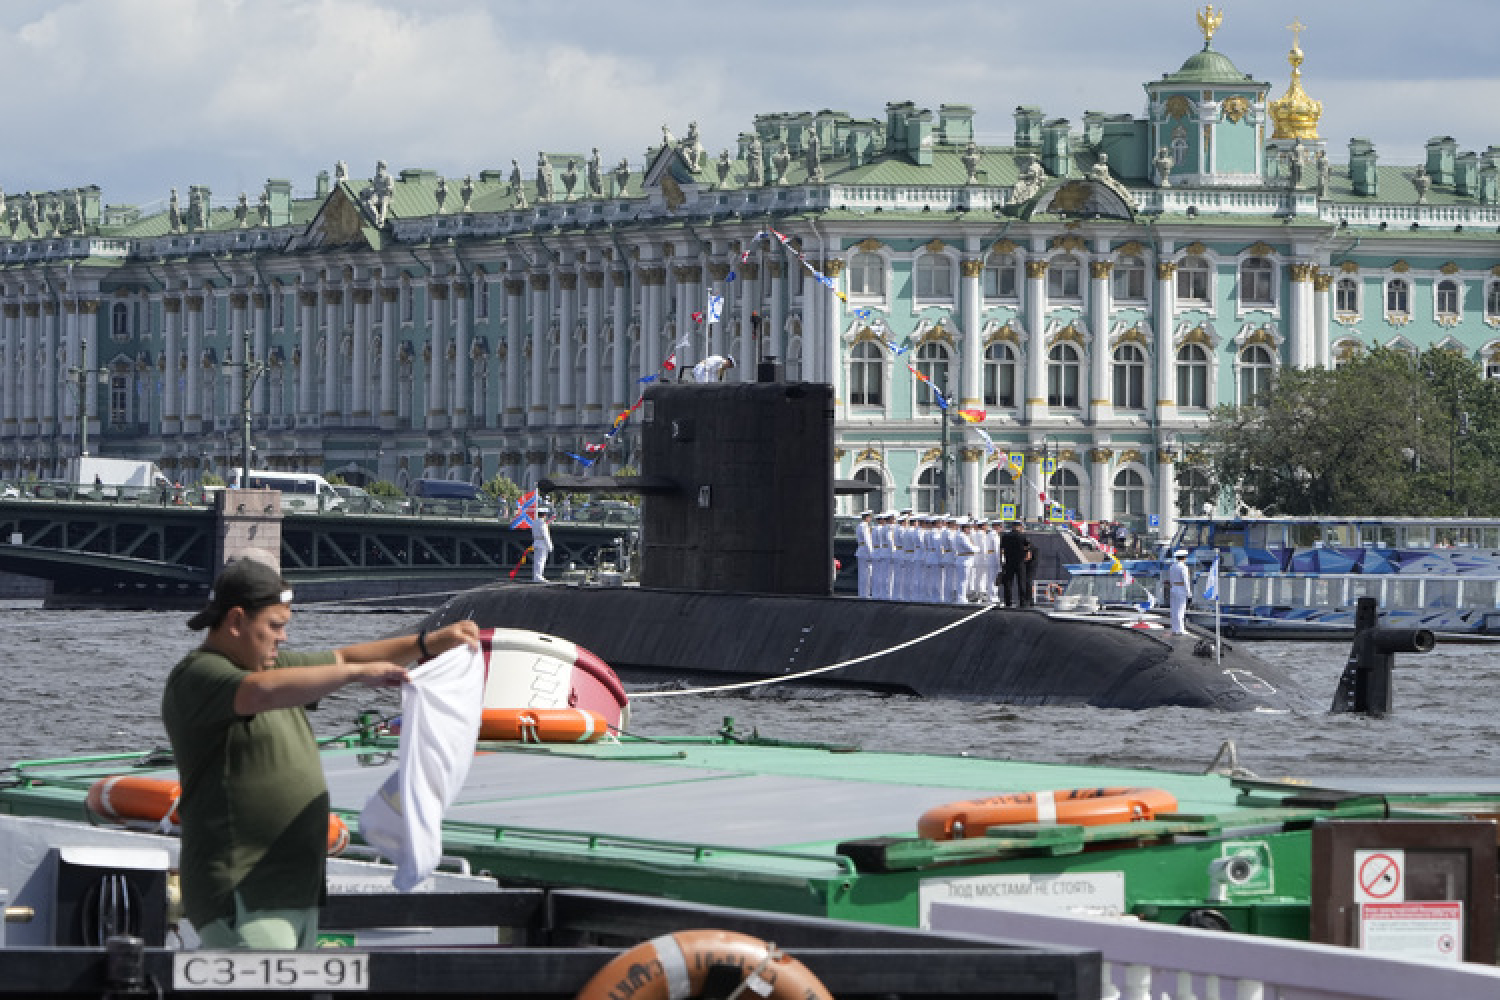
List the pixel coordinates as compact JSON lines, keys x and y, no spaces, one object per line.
{"x":140,"y":552}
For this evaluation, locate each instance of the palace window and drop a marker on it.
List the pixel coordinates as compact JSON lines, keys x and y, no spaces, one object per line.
{"x":1492,"y":300}
{"x":1194,"y":494}
{"x":867,"y":275}
{"x":1130,"y":494}
{"x":934,"y":277}
{"x":926,"y":492}
{"x":482,"y":301}
{"x":1000,"y":375}
{"x":1065,"y":278}
{"x":1130,"y":377}
{"x":932,"y":361}
{"x":1398,"y":297}
{"x":1192,"y":280}
{"x":1256,"y":370}
{"x":875,"y":497}
{"x":211,"y":312}
{"x":1065,"y":489}
{"x":1000,"y":276}
{"x":999,"y":487}
{"x":1192,"y":377}
{"x":1063,"y":373}
{"x":119,"y":318}
{"x":278,"y":310}
{"x":866,"y":374}
{"x":1447,"y":297}
{"x":1256,"y":288}
{"x":1129,"y":280}
{"x":1346,"y":297}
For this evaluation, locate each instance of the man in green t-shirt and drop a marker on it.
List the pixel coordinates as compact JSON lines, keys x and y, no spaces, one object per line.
{"x":254,"y":803}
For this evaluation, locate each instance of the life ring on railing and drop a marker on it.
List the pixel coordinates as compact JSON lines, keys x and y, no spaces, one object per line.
{"x":542,"y":725}
{"x":675,"y":967}
{"x":1069,"y":806}
{"x":1054,"y":591}
{"x":139,"y":801}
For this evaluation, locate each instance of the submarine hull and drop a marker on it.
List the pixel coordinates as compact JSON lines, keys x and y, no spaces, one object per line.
{"x":960,"y":652}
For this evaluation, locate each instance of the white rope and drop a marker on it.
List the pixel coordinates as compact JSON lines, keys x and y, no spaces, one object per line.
{"x":814,"y":670}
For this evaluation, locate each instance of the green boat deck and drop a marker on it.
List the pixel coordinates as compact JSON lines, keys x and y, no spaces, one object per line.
{"x":829,"y":830}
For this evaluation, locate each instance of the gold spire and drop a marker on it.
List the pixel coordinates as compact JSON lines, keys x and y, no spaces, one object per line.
{"x":1295,"y":114}
{"x":1208,"y":23}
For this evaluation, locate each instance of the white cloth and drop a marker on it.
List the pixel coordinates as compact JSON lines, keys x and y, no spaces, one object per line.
{"x":711,"y":368}
{"x":440,"y":711}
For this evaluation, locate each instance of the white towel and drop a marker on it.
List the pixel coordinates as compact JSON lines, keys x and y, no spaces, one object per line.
{"x":440,"y":712}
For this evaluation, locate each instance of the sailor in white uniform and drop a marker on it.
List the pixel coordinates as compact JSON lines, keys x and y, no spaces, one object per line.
{"x":712,"y":368}
{"x":881,"y":538}
{"x":541,"y":544}
{"x":966,"y":553}
{"x":864,"y":548}
{"x":1180,"y":582}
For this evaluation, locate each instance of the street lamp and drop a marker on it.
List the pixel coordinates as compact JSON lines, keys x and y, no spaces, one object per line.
{"x":80,"y":381}
{"x":250,"y":371}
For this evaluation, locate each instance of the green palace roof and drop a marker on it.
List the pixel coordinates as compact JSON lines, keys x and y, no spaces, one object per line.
{"x":1208,"y":66}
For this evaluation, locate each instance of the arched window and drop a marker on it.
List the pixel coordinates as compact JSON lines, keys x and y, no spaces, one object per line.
{"x":867,"y":274}
{"x":1447,"y":297}
{"x":999,"y":488}
{"x":866,"y":374}
{"x":1256,"y":286}
{"x":1256,"y":370}
{"x":1063,"y":373}
{"x":1398,"y":297}
{"x":999,"y":375}
{"x":1194,"y":494}
{"x":1067,"y":491}
{"x":1192,"y":280}
{"x":1129,"y":279}
{"x":934,"y":276}
{"x":1000,"y":276}
{"x":1130,"y":494}
{"x":1130,"y":377}
{"x":875,"y":498}
{"x":1346,"y":297}
{"x":1065,"y":278}
{"x":932,"y":361}
{"x":926,"y":499}
{"x":1192,"y":377}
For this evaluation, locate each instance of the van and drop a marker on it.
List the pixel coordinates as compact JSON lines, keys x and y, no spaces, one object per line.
{"x":300,"y":491}
{"x":442,"y":496}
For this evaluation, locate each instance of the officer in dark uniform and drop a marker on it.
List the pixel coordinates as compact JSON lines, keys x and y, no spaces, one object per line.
{"x":1015,"y":554}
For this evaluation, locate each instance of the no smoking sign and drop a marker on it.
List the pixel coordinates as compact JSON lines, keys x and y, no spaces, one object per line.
{"x":1379,"y":876}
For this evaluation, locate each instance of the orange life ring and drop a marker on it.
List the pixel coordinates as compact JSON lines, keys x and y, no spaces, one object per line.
{"x":1073,"y":806}
{"x":675,"y":967}
{"x":135,"y":800}
{"x":542,"y":725}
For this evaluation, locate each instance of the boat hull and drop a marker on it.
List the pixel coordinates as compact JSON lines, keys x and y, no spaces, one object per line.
{"x":1026,"y":657}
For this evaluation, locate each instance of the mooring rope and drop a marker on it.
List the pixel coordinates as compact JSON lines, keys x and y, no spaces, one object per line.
{"x":814,"y":671}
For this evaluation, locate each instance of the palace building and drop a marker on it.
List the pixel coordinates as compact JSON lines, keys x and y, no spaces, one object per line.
{"x":1085,"y":295}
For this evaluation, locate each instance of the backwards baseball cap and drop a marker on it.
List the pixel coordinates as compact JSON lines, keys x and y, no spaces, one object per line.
{"x":248,"y":582}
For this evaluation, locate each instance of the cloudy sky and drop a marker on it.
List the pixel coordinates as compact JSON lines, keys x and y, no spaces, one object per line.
{"x":139,"y":96}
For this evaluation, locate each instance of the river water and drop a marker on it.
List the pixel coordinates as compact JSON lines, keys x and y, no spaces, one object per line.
{"x":79,"y":682}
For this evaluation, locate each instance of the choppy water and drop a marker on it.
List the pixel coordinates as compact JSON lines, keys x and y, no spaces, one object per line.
{"x":75,"y":682}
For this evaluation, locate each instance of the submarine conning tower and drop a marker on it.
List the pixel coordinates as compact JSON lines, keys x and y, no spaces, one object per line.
{"x":749,"y":503}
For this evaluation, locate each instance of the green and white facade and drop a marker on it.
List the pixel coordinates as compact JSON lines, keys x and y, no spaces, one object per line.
{"x":1095,"y":287}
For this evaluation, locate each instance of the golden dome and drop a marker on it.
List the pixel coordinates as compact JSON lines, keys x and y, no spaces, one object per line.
{"x":1294,"y":114}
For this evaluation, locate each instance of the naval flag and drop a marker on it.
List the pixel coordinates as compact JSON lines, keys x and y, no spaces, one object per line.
{"x":1211,"y":585}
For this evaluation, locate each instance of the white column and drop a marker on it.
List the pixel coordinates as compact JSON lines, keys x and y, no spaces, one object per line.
{"x":1100,"y":403}
{"x":15,"y":363}
{"x":1101,"y":488}
{"x":333,"y":339}
{"x":192,"y":406}
{"x":653,"y":278}
{"x":619,"y":376}
{"x":261,"y":301}
{"x":307,"y":322}
{"x":689,"y":301}
{"x":360,"y":380}
{"x":1166,"y":493}
{"x":774,"y":328}
{"x":234,"y":351}
{"x":830,"y":356}
{"x":540,"y":314}
{"x":171,"y":422}
{"x":48,"y":373}
{"x":437,"y":352}
{"x":1036,"y":356}
{"x":567,"y":321}
{"x":748,"y":293}
{"x":515,"y":339}
{"x":1322,"y":307}
{"x":593,"y":318}
{"x":390,"y":348}
{"x":463,"y":339}
{"x":1166,"y":352}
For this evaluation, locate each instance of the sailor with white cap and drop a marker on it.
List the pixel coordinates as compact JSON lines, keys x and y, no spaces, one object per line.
{"x":864,"y":547}
{"x":541,"y":543}
{"x":1180,"y":580}
{"x":906,"y":543}
{"x":966,"y":554}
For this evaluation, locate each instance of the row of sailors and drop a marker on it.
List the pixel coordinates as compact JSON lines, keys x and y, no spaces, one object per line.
{"x":928,"y":557}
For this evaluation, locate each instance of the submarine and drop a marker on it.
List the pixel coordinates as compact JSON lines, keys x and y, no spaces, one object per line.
{"x":736,"y":586}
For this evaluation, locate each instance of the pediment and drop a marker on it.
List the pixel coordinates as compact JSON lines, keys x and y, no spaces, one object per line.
{"x":339,"y":223}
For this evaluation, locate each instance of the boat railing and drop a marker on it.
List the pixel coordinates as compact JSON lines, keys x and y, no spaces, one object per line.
{"x":1145,"y":961}
{"x":1343,"y":590}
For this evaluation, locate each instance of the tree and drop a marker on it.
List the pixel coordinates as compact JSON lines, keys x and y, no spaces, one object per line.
{"x":1385,"y":433}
